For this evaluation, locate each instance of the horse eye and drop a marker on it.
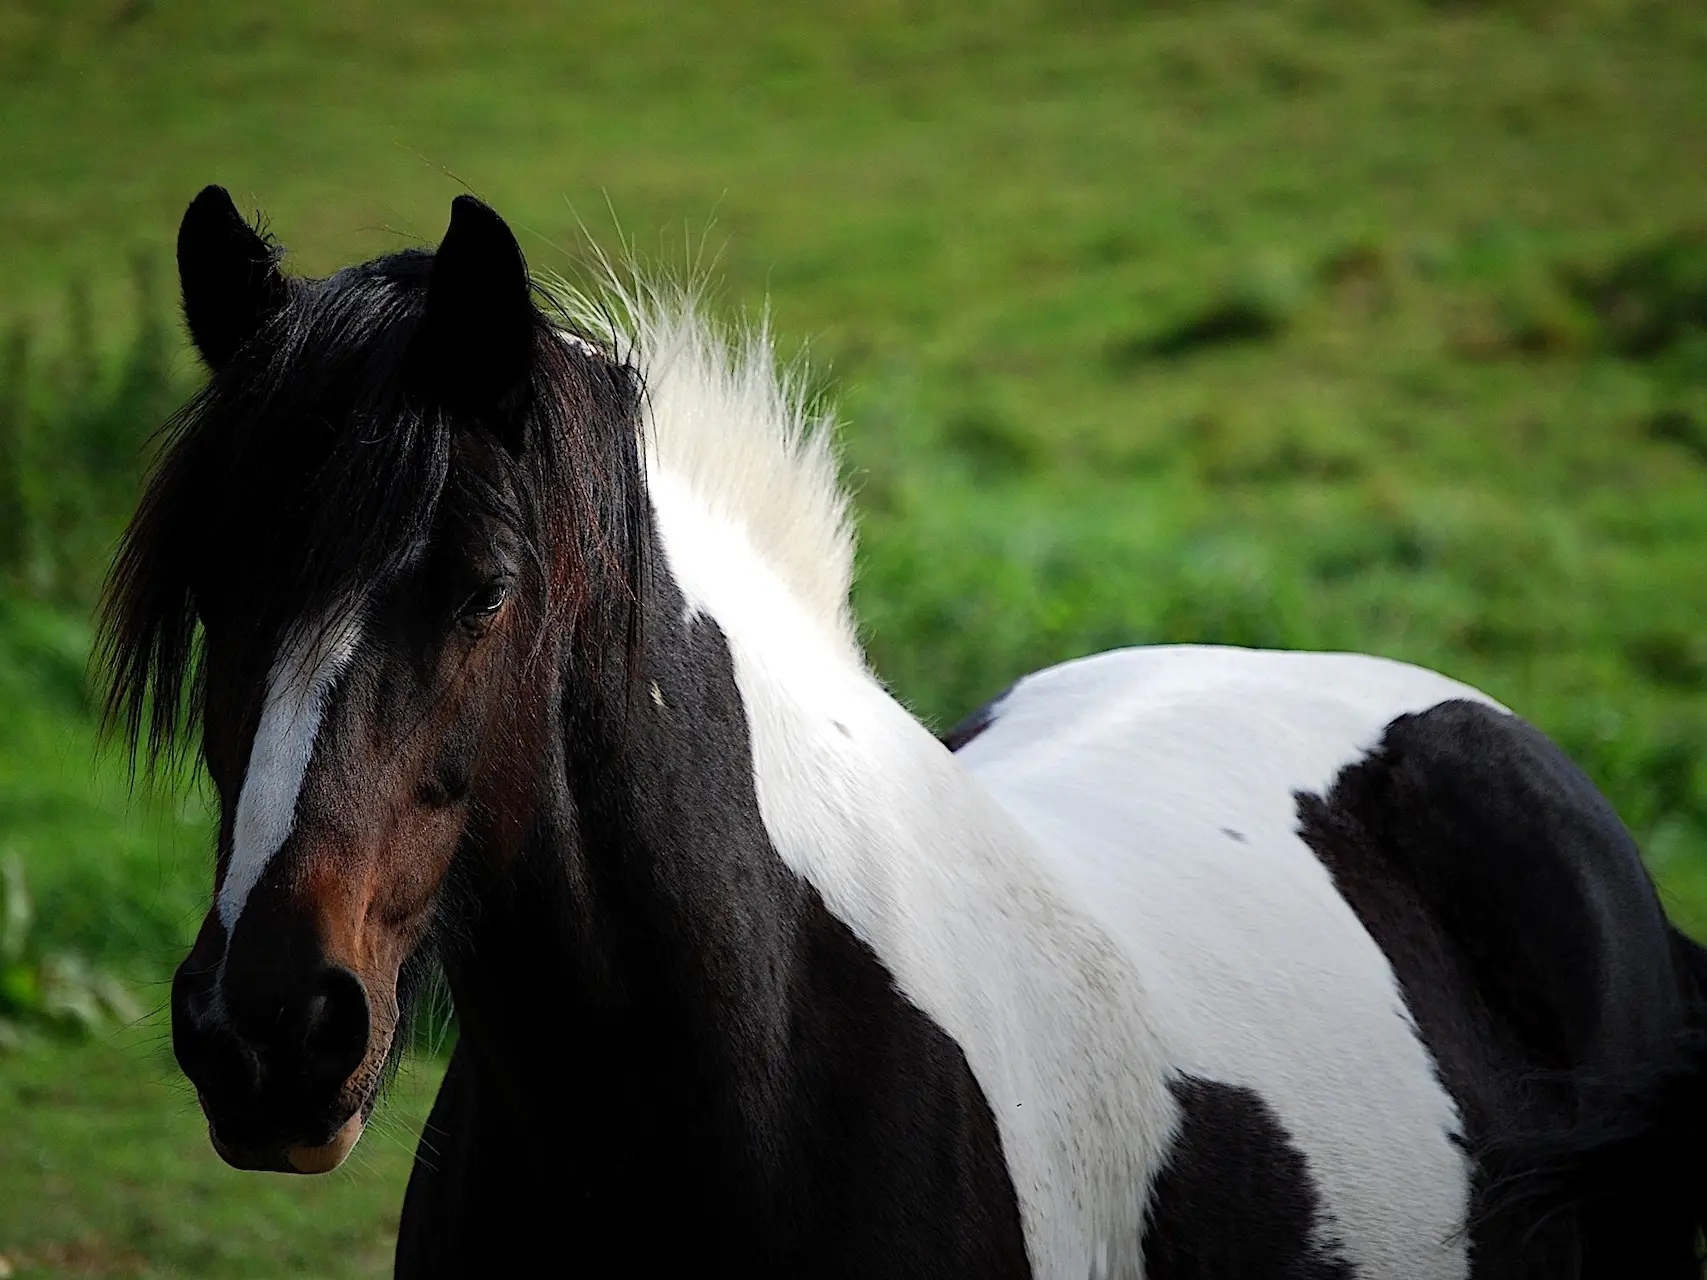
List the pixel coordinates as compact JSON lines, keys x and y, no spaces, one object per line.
{"x":485,"y":601}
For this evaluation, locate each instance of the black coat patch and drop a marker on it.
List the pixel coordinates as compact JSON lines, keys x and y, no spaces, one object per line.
{"x":975,"y":723}
{"x":1525,"y":936}
{"x":1237,"y":1200}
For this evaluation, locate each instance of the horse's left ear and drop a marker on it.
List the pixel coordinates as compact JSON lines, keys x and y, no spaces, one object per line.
{"x":476,"y":340}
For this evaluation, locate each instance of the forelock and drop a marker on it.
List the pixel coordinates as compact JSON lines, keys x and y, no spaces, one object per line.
{"x":310,"y":468}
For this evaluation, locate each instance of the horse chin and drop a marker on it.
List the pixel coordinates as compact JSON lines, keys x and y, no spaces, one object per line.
{"x":328,"y":1155}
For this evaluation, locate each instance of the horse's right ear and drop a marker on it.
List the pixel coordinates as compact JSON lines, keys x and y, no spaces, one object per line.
{"x":229,"y":274}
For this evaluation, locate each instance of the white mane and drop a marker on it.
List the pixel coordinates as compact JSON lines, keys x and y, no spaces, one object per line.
{"x":732,"y":425}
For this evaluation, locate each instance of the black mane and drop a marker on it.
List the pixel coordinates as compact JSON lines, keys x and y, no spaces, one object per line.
{"x":313,"y":463}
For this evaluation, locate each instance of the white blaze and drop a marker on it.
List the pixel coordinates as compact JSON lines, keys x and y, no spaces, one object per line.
{"x":297,"y":690}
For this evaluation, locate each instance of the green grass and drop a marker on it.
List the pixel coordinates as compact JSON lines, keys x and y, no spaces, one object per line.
{"x":105,"y":1170}
{"x":1332,"y":323}
{"x":120,"y":878}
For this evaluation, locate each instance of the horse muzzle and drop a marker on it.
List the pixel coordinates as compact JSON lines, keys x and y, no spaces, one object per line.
{"x":285,"y":1070}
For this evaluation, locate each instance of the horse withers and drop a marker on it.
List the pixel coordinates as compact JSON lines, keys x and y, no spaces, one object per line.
{"x":517,"y":637}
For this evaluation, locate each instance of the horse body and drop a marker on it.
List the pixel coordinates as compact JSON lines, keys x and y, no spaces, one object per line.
{"x":1136,"y":817}
{"x":1163,"y":782}
{"x":1182,"y":963}
{"x":1368,"y":897}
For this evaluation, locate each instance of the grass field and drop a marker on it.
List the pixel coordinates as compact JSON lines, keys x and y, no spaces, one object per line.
{"x":1329,"y":324}
{"x":120,"y":1180}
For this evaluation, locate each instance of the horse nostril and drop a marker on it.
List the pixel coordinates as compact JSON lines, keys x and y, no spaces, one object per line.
{"x":338,"y":1024}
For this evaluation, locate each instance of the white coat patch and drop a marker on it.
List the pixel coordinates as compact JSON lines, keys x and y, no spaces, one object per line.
{"x":297,"y":689}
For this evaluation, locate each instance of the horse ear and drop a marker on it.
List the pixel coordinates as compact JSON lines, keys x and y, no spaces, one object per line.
{"x":475,"y":343}
{"x":229,"y":274}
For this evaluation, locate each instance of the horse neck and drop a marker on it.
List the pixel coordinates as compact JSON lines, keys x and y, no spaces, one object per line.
{"x":655,"y":880}
{"x":760,"y":840}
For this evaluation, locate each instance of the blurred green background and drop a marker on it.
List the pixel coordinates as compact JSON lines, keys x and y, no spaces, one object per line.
{"x":1317,"y":323}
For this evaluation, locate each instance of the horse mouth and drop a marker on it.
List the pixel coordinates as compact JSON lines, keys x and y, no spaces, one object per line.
{"x":291,"y":1157}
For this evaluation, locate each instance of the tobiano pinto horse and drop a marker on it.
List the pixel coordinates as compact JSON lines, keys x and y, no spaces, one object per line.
{"x":518,"y":641}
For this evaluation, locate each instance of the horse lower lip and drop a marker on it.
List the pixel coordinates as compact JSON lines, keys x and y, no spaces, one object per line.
{"x":329,"y":1155}
{"x":245,"y":1158}
{"x":294,"y":1157}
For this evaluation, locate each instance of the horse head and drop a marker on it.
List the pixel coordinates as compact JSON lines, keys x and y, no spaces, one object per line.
{"x":357,"y":564}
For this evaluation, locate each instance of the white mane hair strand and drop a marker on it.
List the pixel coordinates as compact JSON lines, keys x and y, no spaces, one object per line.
{"x":726,"y":419}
